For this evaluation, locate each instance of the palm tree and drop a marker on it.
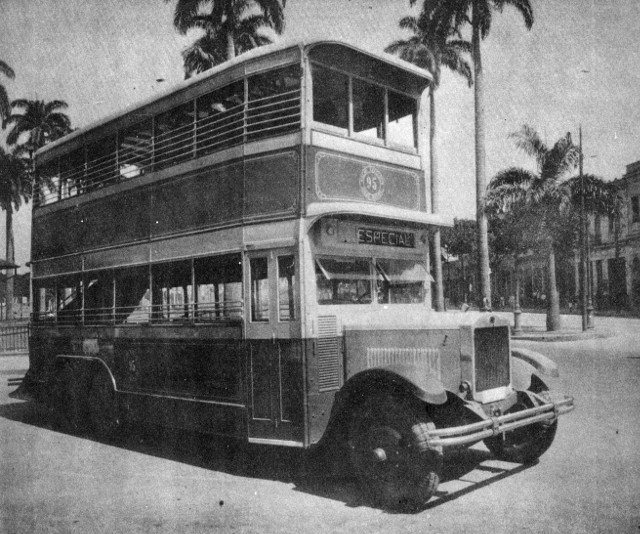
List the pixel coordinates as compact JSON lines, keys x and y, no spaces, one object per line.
{"x":37,"y":124}
{"x":228,"y":31}
{"x":544,"y":198}
{"x":15,"y":187}
{"x":479,"y":14}
{"x":431,"y":49}
{"x":4,"y":97}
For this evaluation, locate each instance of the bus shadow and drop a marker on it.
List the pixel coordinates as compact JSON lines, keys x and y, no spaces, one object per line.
{"x":464,"y":471}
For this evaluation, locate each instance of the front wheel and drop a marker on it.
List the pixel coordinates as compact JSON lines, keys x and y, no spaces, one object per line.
{"x":525,"y":444}
{"x":389,"y":450}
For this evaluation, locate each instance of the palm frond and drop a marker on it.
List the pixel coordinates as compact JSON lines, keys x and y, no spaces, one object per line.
{"x":205,"y":53}
{"x":524,"y":7}
{"x":184,"y":14}
{"x":528,"y":140}
{"x":7,"y":70}
{"x":409,"y":23}
{"x":5,"y":106}
{"x":560,"y":160}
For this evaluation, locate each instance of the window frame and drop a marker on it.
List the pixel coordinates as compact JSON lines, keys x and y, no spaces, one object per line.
{"x":350,"y":133}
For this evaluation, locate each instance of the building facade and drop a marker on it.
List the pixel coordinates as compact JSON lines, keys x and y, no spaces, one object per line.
{"x":614,"y":265}
{"x":615,"y":250}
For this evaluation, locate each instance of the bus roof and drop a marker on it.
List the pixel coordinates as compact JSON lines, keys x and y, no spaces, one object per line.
{"x":421,"y":75}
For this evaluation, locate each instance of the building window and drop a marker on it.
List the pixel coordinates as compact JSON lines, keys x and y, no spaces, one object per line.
{"x":635,"y":209}
{"x":598,"y":230}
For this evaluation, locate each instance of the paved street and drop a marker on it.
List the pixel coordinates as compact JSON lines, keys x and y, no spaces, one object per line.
{"x":589,"y":481}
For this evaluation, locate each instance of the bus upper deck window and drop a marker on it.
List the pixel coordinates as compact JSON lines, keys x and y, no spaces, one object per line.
{"x":368,"y":109}
{"x":402,"y":120}
{"x":330,"y":97}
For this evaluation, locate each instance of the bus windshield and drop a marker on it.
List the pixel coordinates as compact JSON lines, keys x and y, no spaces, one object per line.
{"x":348,"y":280}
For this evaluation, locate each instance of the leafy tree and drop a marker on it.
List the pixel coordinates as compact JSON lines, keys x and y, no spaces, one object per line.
{"x":432,"y":47}
{"x":479,"y":14}
{"x":543,"y":201}
{"x":7,"y":71}
{"x":15,"y":187}
{"x":228,"y":29}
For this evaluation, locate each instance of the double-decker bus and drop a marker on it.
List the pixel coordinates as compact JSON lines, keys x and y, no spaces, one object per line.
{"x":247,"y":255}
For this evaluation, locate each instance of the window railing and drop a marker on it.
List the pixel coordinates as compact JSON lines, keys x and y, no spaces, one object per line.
{"x":256,"y":119}
{"x":167,"y":314}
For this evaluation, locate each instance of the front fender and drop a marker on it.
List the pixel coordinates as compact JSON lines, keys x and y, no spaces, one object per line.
{"x":401,"y":380}
{"x":540,"y":363}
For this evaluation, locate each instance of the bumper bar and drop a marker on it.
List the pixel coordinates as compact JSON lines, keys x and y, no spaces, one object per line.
{"x":463,"y":435}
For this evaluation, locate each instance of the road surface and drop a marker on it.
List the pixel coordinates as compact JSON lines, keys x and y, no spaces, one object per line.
{"x":589,"y":481}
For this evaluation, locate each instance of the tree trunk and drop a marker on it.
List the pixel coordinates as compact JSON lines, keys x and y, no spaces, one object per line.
{"x":435,"y":201}
{"x":484,"y":298}
{"x":553,"y":304}
{"x":517,"y":312}
{"x":231,"y":47}
{"x":10,"y":273}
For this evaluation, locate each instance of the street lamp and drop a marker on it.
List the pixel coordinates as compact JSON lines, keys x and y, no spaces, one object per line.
{"x":587,"y":304}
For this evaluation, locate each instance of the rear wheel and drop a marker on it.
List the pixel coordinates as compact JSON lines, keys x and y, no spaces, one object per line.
{"x":102,"y":405}
{"x":390,"y":453}
{"x":525,"y":444}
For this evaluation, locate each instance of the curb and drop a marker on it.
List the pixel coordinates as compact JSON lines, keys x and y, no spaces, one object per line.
{"x":544,"y":336}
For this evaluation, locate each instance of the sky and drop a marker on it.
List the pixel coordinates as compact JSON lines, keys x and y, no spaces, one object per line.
{"x":579,"y":66}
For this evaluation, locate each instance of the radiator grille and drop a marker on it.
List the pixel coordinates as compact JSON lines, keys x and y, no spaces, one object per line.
{"x":429,"y":358}
{"x":492,"y":357}
{"x":328,"y":353}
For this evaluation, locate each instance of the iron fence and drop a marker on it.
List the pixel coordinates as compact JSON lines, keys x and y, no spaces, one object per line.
{"x":14,"y":338}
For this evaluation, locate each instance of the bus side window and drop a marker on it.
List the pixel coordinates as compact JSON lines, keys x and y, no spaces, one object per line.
{"x":132,"y":295}
{"x":172,"y":293}
{"x":259,"y":289}
{"x":286,"y":288}
{"x":218,"y":287}
{"x":44,"y":301}
{"x":98,"y":298}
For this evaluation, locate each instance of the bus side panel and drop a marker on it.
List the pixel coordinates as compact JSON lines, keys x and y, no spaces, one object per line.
{"x":275,"y":390}
{"x":325,"y":376}
{"x":208,"y":417}
{"x":335,"y":176}
{"x":252,"y":189}
{"x":208,"y":369}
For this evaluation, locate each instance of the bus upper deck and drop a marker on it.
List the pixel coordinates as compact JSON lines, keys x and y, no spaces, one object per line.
{"x":232,"y":160}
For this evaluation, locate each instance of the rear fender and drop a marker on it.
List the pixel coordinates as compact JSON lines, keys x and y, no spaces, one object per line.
{"x":86,"y":365}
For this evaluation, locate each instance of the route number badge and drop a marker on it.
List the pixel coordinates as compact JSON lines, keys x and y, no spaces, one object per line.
{"x":371,"y":183}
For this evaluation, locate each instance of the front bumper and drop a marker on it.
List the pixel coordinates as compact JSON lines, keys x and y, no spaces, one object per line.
{"x":474,"y":432}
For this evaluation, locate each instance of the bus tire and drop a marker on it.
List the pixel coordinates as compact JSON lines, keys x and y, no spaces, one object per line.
{"x":102,"y":407}
{"x":525,"y":444}
{"x":390,"y":453}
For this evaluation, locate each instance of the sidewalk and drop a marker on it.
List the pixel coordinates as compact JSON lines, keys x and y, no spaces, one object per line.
{"x":534,"y":328}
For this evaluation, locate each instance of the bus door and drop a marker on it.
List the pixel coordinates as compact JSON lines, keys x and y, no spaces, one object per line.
{"x":274,"y":382}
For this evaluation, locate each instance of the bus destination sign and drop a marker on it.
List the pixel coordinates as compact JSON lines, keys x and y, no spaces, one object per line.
{"x":373,"y":236}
